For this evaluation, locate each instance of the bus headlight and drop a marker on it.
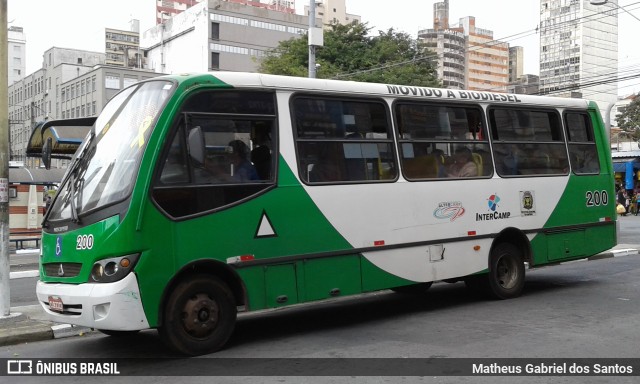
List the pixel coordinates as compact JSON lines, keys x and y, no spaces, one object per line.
{"x":113,"y":269}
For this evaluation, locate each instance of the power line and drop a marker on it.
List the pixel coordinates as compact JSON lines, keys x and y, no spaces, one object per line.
{"x":560,"y":26}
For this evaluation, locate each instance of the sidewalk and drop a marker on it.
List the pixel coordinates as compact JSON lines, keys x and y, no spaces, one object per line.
{"x":29,"y":323}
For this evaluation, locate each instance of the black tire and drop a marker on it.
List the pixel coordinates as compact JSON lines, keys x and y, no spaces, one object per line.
{"x":198,"y":316}
{"x":506,"y":272}
{"x":414,"y":289}
{"x":117,"y":333}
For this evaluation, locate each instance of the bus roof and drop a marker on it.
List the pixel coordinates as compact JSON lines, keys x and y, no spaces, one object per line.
{"x":253,"y":80}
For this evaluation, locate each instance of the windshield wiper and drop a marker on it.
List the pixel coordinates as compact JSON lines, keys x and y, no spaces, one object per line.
{"x":72,"y":192}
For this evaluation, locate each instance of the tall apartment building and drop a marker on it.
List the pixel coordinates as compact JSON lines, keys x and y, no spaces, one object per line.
{"x":123,"y":47}
{"x":449,"y":46}
{"x":16,"y":54}
{"x":218,"y":35}
{"x":579,"y":49}
{"x":468,"y":57}
{"x":71,"y":83}
{"x":487,"y":59}
{"x":516,"y":63}
{"x":333,"y":12}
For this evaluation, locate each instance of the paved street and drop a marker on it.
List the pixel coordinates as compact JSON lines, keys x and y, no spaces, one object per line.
{"x":575,"y":310}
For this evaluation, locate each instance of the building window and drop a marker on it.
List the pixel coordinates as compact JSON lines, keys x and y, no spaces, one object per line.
{"x":215,"y":60}
{"x":129,"y":80}
{"x":112,"y":81}
{"x":215,"y":31}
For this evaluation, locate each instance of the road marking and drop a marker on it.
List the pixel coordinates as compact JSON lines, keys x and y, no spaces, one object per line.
{"x":23,"y":274}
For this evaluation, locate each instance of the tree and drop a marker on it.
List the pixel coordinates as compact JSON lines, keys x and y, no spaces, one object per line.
{"x":629,"y":119}
{"x":350,"y":54}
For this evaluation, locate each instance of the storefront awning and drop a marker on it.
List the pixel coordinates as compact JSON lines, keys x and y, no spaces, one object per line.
{"x":622,"y":167}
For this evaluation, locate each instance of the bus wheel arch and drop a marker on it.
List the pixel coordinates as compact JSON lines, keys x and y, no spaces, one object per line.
{"x":209,"y":267}
{"x":506,"y":266}
{"x":199,"y":315}
{"x":196,"y":279}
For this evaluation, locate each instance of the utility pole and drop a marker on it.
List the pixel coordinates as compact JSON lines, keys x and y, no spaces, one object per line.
{"x":312,"y":48}
{"x":315,"y":38}
{"x":5,"y":304}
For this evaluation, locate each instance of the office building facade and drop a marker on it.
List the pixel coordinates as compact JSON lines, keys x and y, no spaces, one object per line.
{"x":16,"y":54}
{"x":72,"y":83}
{"x":579,"y":50}
{"x":218,"y":35}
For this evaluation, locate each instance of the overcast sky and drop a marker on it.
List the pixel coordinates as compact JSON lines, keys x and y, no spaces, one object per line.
{"x":80,"y":24}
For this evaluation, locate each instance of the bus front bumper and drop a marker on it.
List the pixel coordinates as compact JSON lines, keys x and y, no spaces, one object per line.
{"x":113,"y":306}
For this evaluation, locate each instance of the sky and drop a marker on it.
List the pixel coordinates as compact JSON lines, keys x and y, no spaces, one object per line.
{"x":80,"y":24}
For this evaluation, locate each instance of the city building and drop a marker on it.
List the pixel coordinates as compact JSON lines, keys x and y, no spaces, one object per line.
{"x":71,"y":83}
{"x":16,"y":54}
{"x":579,"y":50}
{"x":166,"y":9}
{"x":333,"y":12}
{"x":516,"y":63}
{"x":449,"y":46}
{"x":525,"y":85}
{"x":487,"y":59}
{"x":123,"y":47}
{"x":468,"y":57}
{"x":218,"y":35}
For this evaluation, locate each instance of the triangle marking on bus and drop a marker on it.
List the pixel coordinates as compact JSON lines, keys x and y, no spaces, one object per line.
{"x":265,"y":228}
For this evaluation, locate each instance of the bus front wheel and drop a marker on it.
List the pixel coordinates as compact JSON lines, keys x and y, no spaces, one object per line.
{"x":199,"y":316}
{"x":506,"y":272}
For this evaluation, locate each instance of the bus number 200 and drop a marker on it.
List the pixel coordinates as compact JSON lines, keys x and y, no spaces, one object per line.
{"x":596,"y":198}
{"x":84,"y":242}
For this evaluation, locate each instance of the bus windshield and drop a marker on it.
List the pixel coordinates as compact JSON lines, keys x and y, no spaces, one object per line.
{"x":103,"y":169}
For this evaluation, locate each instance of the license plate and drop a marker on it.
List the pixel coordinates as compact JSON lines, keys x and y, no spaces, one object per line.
{"x":55,"y":304}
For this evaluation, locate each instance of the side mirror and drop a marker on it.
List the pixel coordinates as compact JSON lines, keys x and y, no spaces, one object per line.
{"x":196,"y":145}
{"x":46,"y":152}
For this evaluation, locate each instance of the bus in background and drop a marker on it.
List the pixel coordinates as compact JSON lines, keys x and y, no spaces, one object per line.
{"x":197,"y":196}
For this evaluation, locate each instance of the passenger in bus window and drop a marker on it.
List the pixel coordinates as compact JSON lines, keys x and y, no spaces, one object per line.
{"x":243,"y":170}
{"x":463,"y":165}
{"x":261,"y":152}
{"x":440,"y":161}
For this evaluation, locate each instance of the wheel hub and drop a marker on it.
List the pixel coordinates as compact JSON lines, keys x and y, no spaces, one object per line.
{"x":506,"y":273}
{"x":200,"y":315}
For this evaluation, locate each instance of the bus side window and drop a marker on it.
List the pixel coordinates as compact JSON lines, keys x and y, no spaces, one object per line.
{"x":343,"y":140}
{"x":237,"y":162}
{"x":583,"y":151}
{"x":175,"y":166}
{"x":527,"y":142}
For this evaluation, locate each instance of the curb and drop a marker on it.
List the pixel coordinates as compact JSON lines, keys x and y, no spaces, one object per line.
{"x":614,"y":253}
{"x":23,"y":330}
{"x":19,"y":328}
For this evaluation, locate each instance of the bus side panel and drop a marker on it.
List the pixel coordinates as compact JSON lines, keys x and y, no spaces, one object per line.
{"x":587,"y":199}
{"x":374,"y":278}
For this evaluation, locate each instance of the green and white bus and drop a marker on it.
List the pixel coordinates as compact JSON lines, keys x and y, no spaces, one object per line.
{"x":197,"y":196}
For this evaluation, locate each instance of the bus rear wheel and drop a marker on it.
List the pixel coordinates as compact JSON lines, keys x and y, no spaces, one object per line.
{"x":199,"y":316}
{"x":506,"y":272}
{"x":505,"y":279}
